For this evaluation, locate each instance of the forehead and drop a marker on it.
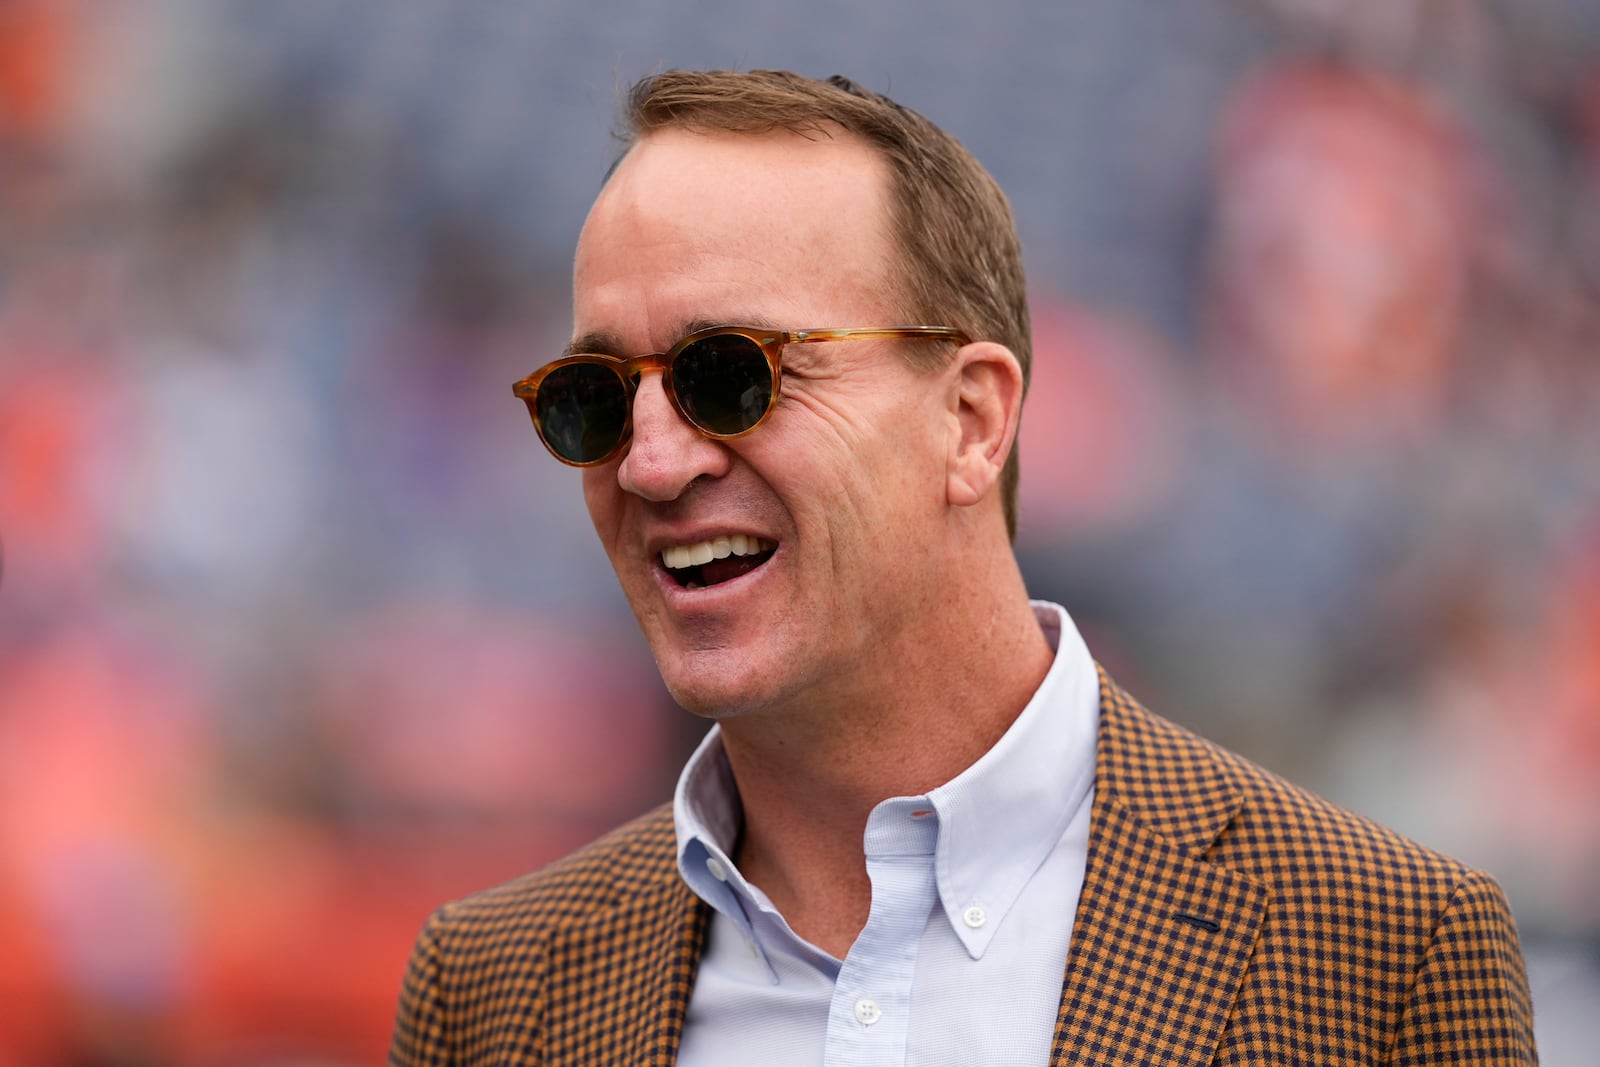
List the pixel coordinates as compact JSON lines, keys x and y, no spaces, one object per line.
{"x":715,"y":226}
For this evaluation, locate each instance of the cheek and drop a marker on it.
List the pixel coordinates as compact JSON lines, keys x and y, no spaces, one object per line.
{"x":908,"y":459}
{"x":603,"y":498}
{"x":876,"y":488}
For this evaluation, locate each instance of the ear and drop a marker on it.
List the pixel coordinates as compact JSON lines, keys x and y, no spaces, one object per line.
{"x":986,"y":400}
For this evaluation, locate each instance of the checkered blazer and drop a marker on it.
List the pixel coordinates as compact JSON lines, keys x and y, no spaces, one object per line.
{"x":1226,"y":917}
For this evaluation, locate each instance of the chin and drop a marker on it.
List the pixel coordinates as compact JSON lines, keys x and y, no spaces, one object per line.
{"x":714,"y":692}
{"x":696,"y":697}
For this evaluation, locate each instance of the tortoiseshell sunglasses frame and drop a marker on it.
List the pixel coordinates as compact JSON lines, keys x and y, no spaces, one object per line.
{"x":771,"y":343}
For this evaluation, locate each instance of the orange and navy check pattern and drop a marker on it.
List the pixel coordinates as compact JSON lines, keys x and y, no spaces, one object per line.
{"x":1226,"y":917}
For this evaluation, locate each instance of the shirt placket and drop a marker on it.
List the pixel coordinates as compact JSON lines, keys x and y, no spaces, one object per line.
{"x":869,"y":1015}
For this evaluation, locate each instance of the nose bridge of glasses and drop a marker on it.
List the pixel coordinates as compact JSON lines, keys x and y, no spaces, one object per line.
{"x":634,"y":366}
{"x":633,"y":370}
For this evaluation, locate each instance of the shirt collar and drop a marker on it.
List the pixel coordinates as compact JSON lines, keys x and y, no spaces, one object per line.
{"x":1001,"y":817}
{"x":997,"y":820}
{"x":708,"y":819}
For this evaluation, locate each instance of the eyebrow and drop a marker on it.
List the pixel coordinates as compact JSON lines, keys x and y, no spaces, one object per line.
{"x":600,"y":343}
{"x":594,"y":343}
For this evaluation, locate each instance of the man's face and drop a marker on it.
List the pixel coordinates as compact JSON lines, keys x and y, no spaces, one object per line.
{"x":846,"y":479}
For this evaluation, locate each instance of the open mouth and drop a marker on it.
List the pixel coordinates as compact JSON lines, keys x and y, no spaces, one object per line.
{"x":721,"y":559}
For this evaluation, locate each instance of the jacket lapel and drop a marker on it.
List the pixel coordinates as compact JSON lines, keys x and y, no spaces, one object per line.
{"x":683,"y":938}
{"x":628,"y":971}
{"x":1161,"y":936}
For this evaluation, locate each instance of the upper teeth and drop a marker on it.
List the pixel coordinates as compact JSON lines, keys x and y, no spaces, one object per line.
{"x":677,"y":557}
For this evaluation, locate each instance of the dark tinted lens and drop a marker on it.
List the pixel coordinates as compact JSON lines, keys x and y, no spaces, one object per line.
{"x":724,"y":384}
{"x":582,"y":409}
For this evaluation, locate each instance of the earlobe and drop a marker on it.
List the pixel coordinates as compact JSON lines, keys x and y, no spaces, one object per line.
{"x":986,"y":398}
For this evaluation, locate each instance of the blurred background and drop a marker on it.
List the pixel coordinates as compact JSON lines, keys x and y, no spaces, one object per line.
{"x":302,"y":633}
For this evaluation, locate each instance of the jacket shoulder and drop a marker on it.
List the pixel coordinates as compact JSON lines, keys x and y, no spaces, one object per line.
{"x":630,"y":860}
{"x":1370,"y":947}
{"x":1216,"y":803}
{"x":510,"y":967}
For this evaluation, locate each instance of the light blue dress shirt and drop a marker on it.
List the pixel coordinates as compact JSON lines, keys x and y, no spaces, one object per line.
{"x":974,"y":886}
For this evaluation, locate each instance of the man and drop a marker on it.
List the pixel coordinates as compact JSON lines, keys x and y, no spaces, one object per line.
{"x":923,"y":828}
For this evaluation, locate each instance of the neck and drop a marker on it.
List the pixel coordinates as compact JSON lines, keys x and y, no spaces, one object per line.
{"x":932,"y":701}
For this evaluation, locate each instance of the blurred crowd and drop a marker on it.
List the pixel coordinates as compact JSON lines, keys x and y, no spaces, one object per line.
{"x":301,"y":634}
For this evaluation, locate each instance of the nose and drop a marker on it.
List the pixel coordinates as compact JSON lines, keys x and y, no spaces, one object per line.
{"x":666,"y":453}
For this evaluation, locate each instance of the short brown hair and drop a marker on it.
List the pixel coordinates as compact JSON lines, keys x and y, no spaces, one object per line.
{"x":962,"y":263}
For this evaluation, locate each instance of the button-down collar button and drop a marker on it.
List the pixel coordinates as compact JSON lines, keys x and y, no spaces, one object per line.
{"x":974,"y":916}
{"x":718,"y":871}
{"x":867,"y":1011}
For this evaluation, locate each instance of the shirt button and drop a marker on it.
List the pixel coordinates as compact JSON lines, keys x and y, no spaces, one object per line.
{"x":974,"y":916}
{"x":867,"y":1011}
{"x":718,"y":871}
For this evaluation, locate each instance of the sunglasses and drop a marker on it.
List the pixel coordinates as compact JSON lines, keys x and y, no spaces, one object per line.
{"x":722,"y":380}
